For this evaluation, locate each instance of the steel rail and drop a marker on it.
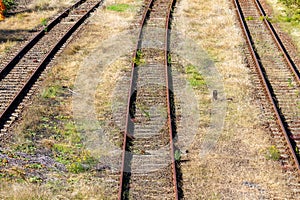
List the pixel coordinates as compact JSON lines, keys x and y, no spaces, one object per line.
{"x":278,"y":41}
{"x":267,"y":86}
{"x":169,"y":102}
{"x":35,"y":75}
{"x":131,"y":90}
{"x":35,"y":39}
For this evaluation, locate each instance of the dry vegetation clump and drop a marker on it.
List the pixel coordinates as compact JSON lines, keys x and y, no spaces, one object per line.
{"x":48,"y":129}
{"x":284,"y":17}
{"x":6,"y":46}
{"x":237,"y":168}
{"x":18,"y":27}
{"x":104,"y":97}
{"x":46,"y":4}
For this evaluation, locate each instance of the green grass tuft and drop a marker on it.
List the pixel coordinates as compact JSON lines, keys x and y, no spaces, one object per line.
{"x":272,"y":153}
{"x":51,"y":92}
{"x":119,"y":7}
{"x":194,"y":77}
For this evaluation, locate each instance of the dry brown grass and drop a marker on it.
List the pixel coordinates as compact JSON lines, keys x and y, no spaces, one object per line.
{"x":46,"y":4}
{"x":77,"y":188}
{"x":102,"y":25}
{"x":5,"y":47}
{"x":237,"y":168}
{"x":21,"y":23}
{"x":292,"y":28}
{"x":27,"y":20}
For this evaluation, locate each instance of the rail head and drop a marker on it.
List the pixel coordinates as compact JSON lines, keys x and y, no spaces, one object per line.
{"x":266,"y":85}
{"x":172,"y":151}
{"x":4,"y":71}
{"x":133,"y":65}
{"x":278,"y":42}
{"x":33,"y":78}
{"x":128,"y":118}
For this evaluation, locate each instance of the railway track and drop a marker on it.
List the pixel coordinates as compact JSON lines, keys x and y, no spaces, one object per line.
{"x":148,"y":169}
{"x":18,"y":75}
{"x":280,"y":79}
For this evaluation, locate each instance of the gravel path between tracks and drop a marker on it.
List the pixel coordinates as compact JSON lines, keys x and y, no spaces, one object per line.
{"x":237,"y":167}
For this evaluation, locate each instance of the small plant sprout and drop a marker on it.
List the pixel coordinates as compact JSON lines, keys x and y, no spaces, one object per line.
{"x":44,"y":23}
{"x":177,"y":155}
{"x":139,"y":54}
{"x":297,"y":93}
{"x":290,"y":83}
{"x":145,"y":111}
{"x":138,"y":60}
{"x":272,"y":153}
{"x":249,"y":18}
{"x":194,"y":77}
{"x":169,"y":58}
{"x":262,"y":18}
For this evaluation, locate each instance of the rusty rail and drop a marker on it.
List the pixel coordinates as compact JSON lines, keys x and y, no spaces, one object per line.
{"x":267,"y":86}
{"x":35,"y":39}
{"x":35,"y":75}
{"x":131,"y":90}
{"x":278,"y":41}
{"x":169,"y":103}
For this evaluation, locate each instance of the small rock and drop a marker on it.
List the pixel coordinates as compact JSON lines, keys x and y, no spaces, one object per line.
{"x":101,"y":167}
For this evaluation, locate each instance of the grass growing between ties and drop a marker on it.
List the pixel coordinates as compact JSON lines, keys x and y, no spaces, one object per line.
{"x":287,"y":15}
{"x":139,"y":60}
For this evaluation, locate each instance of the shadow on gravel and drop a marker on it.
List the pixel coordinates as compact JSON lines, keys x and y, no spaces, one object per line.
{"x":14,"y":35}
{"x":175,"y":137}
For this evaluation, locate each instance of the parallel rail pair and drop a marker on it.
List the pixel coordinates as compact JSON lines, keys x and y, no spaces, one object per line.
{"x":19,"y":75}
{"x":277,"y":72}
{"x":150,"y":86}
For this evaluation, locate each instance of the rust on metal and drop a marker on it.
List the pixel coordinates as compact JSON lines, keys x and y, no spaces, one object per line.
{"x":278,"y":41}
{"x":266,"y":84}
{"x":169,"y":104}
{"x":130,"y":119}
{"x":36,"y":73}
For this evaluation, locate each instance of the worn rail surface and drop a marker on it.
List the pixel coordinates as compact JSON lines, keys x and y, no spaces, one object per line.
{"x":279,"y":76}
{"x":148,"y":163}
{"x":19,"y":75}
